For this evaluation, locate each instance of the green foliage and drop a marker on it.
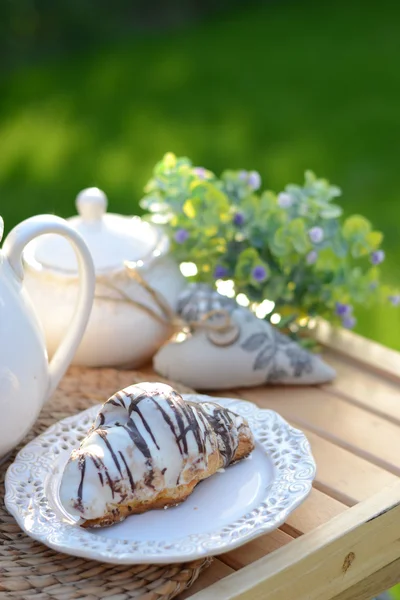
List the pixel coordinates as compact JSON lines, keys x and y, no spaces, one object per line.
{"x":291,"y":248}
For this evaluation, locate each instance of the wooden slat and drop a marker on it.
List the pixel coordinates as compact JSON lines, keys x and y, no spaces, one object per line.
{"x":216,"y":571}
{"x":364,"y":388}
{"x":315,"y":511}
{"x":256,"y":549}
{"x":343,"y":475}
{"x":340,"y":473}
{"x":371,"y":354}
{"x":327,"y":561}
{"x":348,"y":426}
{"x":376,"y":583}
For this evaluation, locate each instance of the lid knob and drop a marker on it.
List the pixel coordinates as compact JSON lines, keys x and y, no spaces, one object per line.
{"x":91,"y":204}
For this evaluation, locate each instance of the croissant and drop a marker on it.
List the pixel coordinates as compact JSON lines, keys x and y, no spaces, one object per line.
{"x":148,"y":448}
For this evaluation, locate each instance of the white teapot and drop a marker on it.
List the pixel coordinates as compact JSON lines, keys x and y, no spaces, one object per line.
{"x":26,"y":378}
{"x":120,"y":332}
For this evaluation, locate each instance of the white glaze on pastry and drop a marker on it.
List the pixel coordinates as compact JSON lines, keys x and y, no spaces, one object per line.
{"x":146,"y":439}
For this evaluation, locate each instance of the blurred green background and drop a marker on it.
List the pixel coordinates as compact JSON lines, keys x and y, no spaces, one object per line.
{"x":95,"y":94}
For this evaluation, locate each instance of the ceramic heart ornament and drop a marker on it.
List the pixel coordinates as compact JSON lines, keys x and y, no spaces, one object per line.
{"x":230,"y":347}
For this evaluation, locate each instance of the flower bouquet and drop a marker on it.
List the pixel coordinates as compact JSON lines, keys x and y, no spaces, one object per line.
{"x":289,"y":256}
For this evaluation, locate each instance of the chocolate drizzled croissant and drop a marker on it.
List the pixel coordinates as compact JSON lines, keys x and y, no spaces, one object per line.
{"x":148,"y":448}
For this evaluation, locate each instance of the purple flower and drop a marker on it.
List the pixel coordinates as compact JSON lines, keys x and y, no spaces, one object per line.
{"x":343,"y":310}
{"x":377,"y":257}
{"x":285,"y":200}
{"x":349,"y":322}
{"x":312,"y":257}
{"x":394,"y":299}
{"x":181,"y":236}
{"x":238,"y":219}
{"x":259,"y":273}
{"x":254,"y":180}
{"x":316,"y":234}
{"x":373,"y":285}
{"x":200,"y":172}
{"x":220,"y":272}
{"x":243,"y":175}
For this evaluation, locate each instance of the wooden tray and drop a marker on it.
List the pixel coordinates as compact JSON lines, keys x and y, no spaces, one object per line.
{"x":343,"y":543}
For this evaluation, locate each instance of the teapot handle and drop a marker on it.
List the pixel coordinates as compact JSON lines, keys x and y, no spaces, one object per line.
{"x":13,"y":248}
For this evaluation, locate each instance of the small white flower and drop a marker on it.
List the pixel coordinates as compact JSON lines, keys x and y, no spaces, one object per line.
{"x":316,"y":235}
{"x":254,"y":180}
{"x":311,"y":257}
{"x":285,"y":200}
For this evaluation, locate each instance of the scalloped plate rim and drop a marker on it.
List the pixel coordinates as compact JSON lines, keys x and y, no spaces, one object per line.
{"x":134,"y":557}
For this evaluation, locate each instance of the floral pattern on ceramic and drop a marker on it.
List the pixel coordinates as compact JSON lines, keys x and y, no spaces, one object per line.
{"x":255,"y":352}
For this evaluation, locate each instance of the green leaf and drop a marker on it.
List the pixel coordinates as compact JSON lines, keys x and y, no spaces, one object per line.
{"x":274,"y":287}
{"x":191,"y":207}
{"x":298,"y":236}
{"x":310,"y":178}
{"x":374,"y":240}
{"x":268,"y":202}
{"x":364,"y":245}
{"x":372,"y":275}
{"x":327,"y":260}
{"x":280,"y":244}
{"x":339,"y":246}
{"x":257,"y":238}
{"x":355,"y":227}
{"x":211,"y":194}
{"x":250,"y":206}
{"x":274,"y":221}
{"x":359,"y":249}
{"x":169,"y":160}
{"x":331,"y":211}
{"x":211,"y":231}
{"x":247,"y":260}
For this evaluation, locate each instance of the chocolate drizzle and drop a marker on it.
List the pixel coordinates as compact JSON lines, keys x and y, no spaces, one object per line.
{"x":137,"y":438}
{"x":103,"y":434}
{"x":193,"y":426}
{"x":145,"y":423}
{"x":128,"y":471}
{"x":223,"y":425}
{"x":98,"y":463}
{"x":212,"y":427}
{"x":170,"y":424}
{"x":82,"y":468}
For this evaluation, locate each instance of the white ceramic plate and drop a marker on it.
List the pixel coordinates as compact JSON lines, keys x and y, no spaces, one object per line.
{"x":225,"y":511}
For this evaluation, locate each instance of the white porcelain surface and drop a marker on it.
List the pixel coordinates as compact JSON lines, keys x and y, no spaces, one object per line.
{"x":110,"y":238}
{"x":225,"y":511}
{"x":26,"y":378}
{"x":119,"y":333}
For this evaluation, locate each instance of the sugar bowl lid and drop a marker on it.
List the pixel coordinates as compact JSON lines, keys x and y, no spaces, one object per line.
{"x":112,"y":239}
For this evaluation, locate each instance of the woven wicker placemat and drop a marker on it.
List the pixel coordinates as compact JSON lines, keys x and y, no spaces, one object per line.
{"x":29,"y":570}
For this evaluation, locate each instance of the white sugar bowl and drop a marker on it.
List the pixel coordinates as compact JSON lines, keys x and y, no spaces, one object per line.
{"x":123,"y":328}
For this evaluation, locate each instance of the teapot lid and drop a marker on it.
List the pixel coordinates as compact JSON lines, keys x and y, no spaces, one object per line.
{"x":112,"y":239}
